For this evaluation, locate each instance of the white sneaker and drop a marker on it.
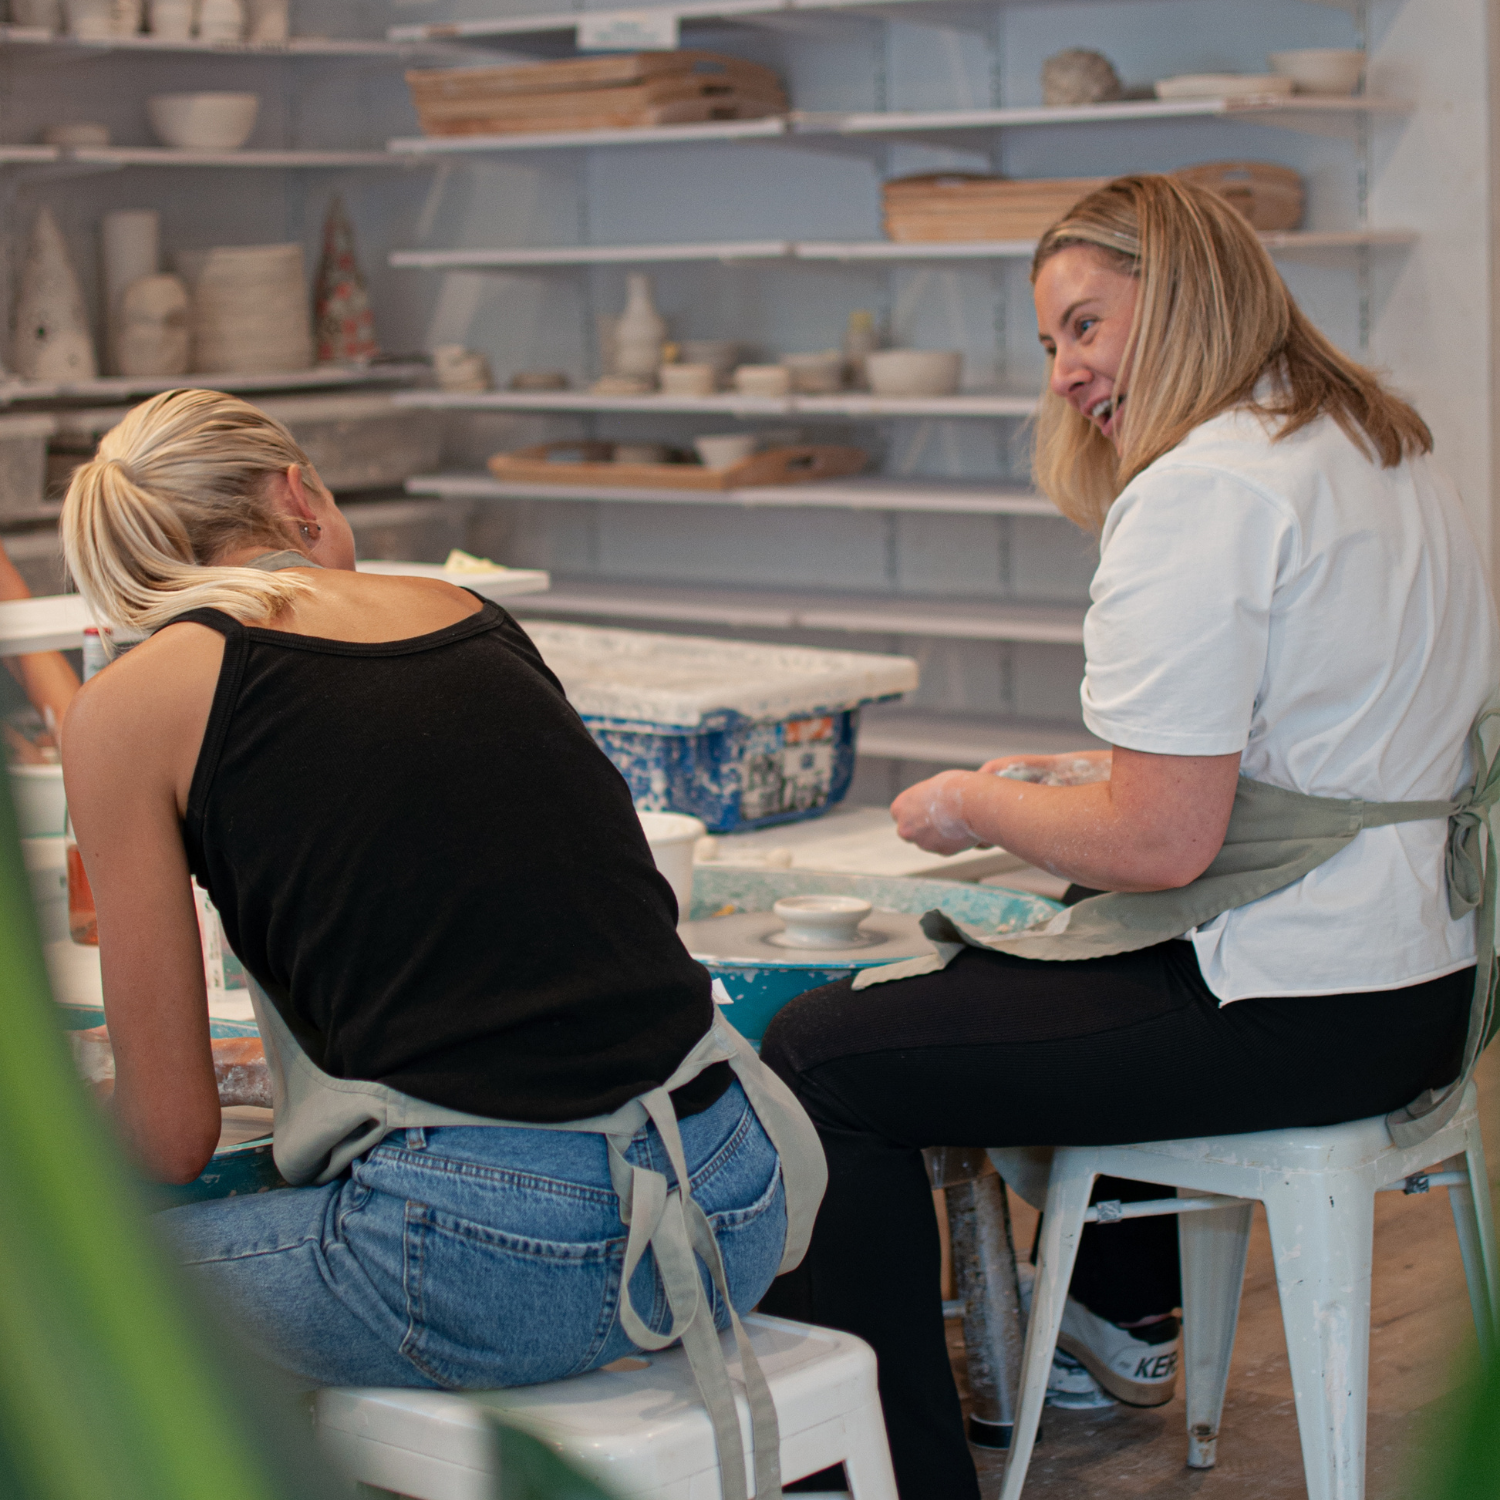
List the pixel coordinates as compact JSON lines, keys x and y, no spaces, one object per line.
{"x":1135,"y":1365}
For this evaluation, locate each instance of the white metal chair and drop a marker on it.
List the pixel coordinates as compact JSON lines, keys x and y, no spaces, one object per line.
{"x":1318,"y":1187}
{"x":641,"y":1432}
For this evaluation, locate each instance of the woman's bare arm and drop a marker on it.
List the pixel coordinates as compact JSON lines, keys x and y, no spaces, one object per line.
{"x":1156,"y":824}
{"x":49,"y":682}
{"x":130,"y":744}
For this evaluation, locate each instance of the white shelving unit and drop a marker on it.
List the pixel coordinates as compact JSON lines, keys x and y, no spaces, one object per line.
{"x":768,"y":230}
{"x":125,"y":387}
{"x":885,"y":252}
{"x":876,"y":493}
{"x":762,"y":609}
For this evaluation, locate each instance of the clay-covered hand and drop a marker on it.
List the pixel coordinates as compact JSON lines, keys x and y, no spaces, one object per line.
{"x":240,"y":1071}
{"x":931,"y":814}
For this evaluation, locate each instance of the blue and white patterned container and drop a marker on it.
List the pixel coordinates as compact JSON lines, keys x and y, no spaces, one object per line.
{"x":738,"y":734}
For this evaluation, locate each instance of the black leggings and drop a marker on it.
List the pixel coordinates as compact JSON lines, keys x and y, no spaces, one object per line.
{"x":1002,"y":1051}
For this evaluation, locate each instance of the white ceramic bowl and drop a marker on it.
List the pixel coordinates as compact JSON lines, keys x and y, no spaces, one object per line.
{"x":672,"y":836}
{"x":203,"y":122}
{"x":1321,"y":70}
{"x":762,"y":380}
{"x":687,"y":380}
{"x":724,"y":451}
{"x":820,"y":373}
{"x":1221,"y":86}
{"x":914,"y":372}
{"x":41,"y":805}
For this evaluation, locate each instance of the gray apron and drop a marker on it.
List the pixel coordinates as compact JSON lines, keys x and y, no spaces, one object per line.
{"x":1275,"y":837}
{"x":323,"y":1123}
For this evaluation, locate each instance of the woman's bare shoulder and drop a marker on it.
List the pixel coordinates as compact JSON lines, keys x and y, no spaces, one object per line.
{"x":143,"y":703}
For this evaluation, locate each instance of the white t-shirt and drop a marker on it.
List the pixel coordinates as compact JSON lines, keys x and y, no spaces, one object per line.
{"x":1329,"y":619}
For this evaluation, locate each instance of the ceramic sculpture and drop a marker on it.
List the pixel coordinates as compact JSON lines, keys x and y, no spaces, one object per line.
{"x":1079,"y":76}
{"x":130,"y":239}
{"x":640,"y":332}
{"x":152,"y":332}
{"x":221,"y":20}
{"x":250,"y":309}
{"x":345,"y":324}
{"x":52,"y":340}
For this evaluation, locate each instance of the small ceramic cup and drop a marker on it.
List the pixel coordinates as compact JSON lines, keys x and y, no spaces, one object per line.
{"x":686,"y":380}
{"x":172,"y":20}
{"x":762,"y":380}
{"x":821,"y":373}
{"x":76,"y":133}
{"x":724,"y":450}
{"x":91,"y":20}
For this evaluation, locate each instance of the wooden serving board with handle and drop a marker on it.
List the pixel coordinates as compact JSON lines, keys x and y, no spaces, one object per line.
{"x":789,"y":465}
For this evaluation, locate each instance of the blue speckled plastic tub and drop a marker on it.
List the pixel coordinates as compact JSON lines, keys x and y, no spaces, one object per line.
{"x":757,"y":991}
{"x":736,"y":773}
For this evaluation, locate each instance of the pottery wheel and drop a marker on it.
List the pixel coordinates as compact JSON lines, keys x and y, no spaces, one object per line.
{"x":746,"y":938}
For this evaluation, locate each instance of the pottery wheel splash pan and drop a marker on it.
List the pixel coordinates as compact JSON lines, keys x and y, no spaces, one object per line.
{"x":769,"y":958}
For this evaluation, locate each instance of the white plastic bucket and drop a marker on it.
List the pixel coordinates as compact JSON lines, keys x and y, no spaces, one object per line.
{"x":672,"y":836}
{"x":41,"y":806}
{"x":47,"y":868}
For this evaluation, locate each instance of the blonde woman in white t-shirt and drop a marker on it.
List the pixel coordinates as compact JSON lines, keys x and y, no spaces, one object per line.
{"x":1288,"y":591}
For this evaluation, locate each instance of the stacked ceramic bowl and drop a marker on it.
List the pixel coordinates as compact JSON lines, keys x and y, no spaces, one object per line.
{"x":250,"y":309}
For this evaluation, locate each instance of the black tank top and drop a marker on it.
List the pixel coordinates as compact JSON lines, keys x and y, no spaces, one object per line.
{"x":438,"y":878}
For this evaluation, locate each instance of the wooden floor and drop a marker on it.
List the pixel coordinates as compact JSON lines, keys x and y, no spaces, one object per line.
{"x":1420,"y":1341}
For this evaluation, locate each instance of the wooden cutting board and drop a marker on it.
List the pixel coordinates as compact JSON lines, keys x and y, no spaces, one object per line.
{"x":790,"y":465}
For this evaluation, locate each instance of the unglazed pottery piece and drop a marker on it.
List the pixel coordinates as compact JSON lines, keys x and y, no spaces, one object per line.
{"x":1321,"y":70}
{"x":203,"y":122}
{"x":250,"y":309}
{"x":52,"y":340}
{"x":724,"y":450}
{"x":345,"y":324}
{"x":76,"y":133}
{"x":172,"y":20}
{"x":914,"y":372}
{"x":687,"y":380}
{"x":269,"y":21}
{"x":640,"y":332}
{"x":221,"y":20}
{"x":91,"y":20}
{"x":130,"y":239}
{"x":762,"y":380}
{"x":1079,"y":76}
{"x":460,"y":369}
{"x":153,"y":331}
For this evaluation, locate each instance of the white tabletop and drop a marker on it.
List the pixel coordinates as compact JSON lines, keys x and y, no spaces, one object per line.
{"x":57,"y":621}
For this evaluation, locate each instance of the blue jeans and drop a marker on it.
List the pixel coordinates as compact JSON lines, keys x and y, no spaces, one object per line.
{"x":475,"y":1256}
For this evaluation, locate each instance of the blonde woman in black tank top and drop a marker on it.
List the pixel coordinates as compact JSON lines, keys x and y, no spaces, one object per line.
{"x":435,"y":876}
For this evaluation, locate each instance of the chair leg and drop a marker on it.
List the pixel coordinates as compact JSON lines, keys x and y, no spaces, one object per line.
{"x":1067,"y":1201}
{"x":1473,"y":1217}
{"x":1322,"y":1238}
{"x":867,"y":1455}
{"x":1214,"y":1246}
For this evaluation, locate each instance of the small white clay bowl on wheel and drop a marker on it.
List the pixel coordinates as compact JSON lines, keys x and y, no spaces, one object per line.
{"x":914,"y":372}
{"x":203,"y":122}
{"x":1321,"y":70}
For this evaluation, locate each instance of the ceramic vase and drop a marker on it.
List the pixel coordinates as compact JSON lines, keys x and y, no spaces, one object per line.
{"x":221,"y":20}
{"x":345,"y":324}
{"x":250,"y":309}
{"x":131,"y":243}
{"x":47,"y":14}
{"x":172,"y":20}
{"x":52,"y":339}
{"x":153,"y":333}
{"x":640,"y":332}
{"x":269,"y":20}
{"x":91,"y":20}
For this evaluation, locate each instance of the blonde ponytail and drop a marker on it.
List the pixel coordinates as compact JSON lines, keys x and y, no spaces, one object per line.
{"x":183,"y":478}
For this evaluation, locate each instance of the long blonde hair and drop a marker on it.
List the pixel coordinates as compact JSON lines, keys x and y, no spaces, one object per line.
{"x":1212,"y":317}
{"x":182,"y":478}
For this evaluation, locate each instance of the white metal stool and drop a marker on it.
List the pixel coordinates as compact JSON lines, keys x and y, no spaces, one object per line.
{"x":641,"y":1432}
{"x":1318,"y":1187}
